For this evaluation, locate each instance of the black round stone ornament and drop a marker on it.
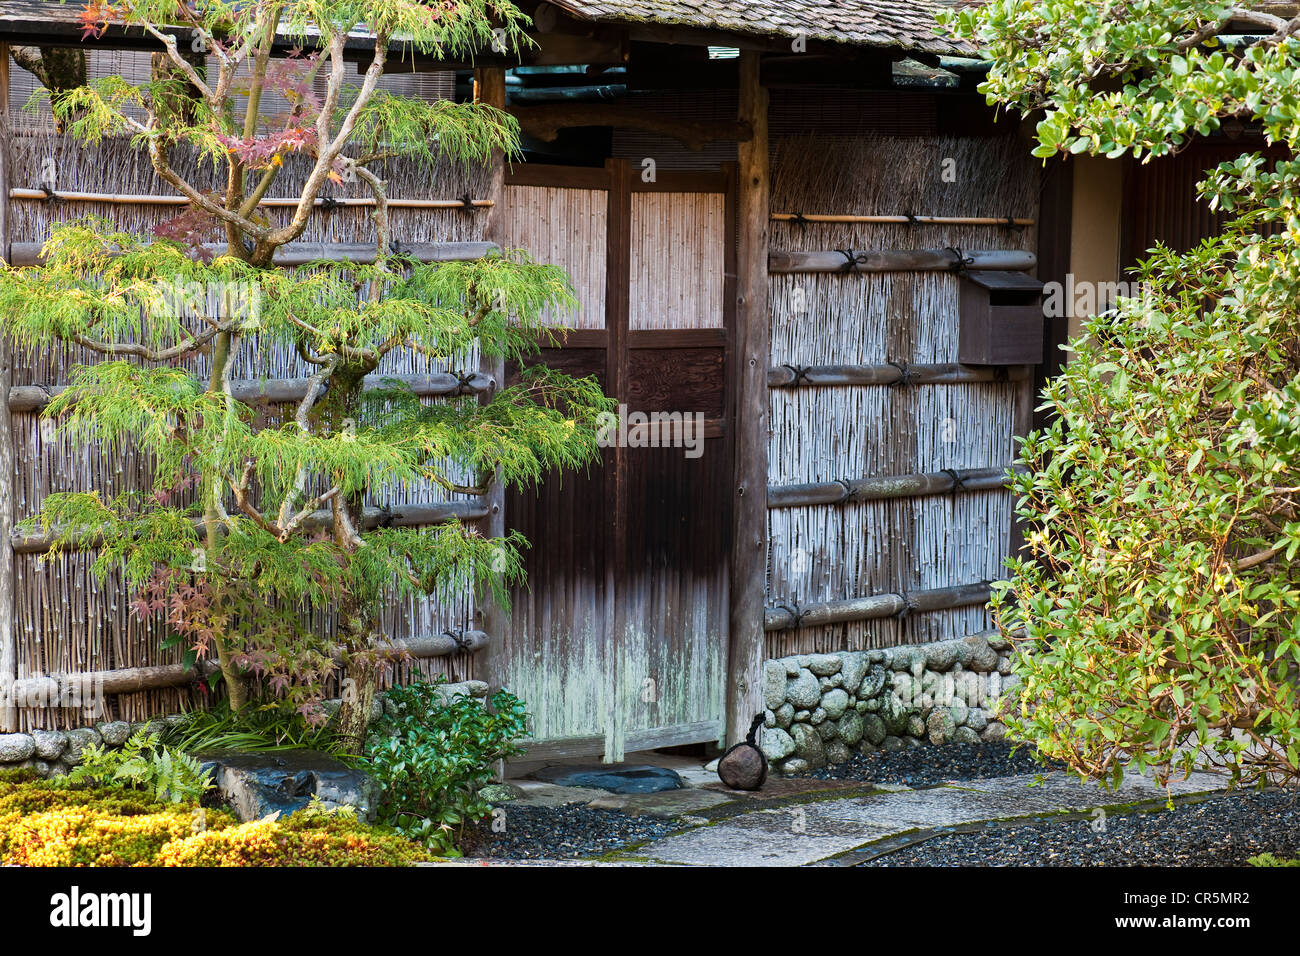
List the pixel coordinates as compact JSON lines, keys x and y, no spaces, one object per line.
{"x":744,"y":766}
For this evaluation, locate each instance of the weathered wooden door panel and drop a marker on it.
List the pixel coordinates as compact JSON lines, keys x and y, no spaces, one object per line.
{"x":619,"y":640}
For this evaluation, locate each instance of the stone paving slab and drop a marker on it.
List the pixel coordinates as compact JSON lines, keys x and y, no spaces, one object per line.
{"x":668,"y":804}
{"x":783,"y":837}
{"x":539,"y":794}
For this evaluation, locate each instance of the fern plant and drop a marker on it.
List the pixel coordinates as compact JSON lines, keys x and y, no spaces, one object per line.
{"x":144,"y":763}
{"x":271,"y":513}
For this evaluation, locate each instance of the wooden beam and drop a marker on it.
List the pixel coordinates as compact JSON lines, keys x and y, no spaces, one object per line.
{"x":300,"y":253}
{"x":490,"y":88}
{"x":753,"y":331}
{"x":46,"y":690}
{"x":8,"y":632}
{"x":274,"y":391}
{"x":899,"y":260}
{"x":154,"y":199}
{"x":889,"y":486}
{"x":401,"y":516}
{"x":948,"y":373}
{"x":545,"y":123}
{"x":784,"y":617}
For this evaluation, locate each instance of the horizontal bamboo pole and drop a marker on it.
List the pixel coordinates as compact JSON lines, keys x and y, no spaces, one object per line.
{"x":132,"y":199}
{"x":272,"y":391}
{"x":402,"y":516}
{"x":300,"y":253}
{"x":129,"y":680}
{"x":889,"y":486}
{"x":899,"y":260}
{"x":788,"y":376}
{"x":906,"y":220}
{"x":783,"y":618}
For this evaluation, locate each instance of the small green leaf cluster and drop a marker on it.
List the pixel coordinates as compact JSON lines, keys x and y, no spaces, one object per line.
{"x":431,"y":756}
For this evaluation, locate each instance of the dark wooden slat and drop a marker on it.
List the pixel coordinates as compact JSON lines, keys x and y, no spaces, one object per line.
{"x":889,"y":486}
{"x":31,"y":398}
{"x":899,"y":260}
{"x":786,"y":376}
{"x":557,"y":177}
{"x":783,"y":618}
{"x":677,"y":338}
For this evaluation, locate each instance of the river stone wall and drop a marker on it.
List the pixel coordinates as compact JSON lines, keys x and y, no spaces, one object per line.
{"x":54,"y":752}
{"x":821,"y":708}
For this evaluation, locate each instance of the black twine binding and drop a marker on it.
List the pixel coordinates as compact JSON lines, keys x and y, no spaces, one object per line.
{"x":908,"y":606}
{"x":908,"y":375}
{"x":1010,"y":223}
{"x":852,"y":260}
{"x":464,"y":382}
{"x":51,"y":195}
{"x":958,"y":479}
{"x":800,"y":220}
{"x":849,"y":494}
{"x":960,"y":261}
{"x":466,"y":203}
{"x":800,"y":373}
{"x":329,"y":203}
{"x":458,"y":636}
{"x":911,"y":220}
{"x":387,"y":516}
{"x":792,"y":608}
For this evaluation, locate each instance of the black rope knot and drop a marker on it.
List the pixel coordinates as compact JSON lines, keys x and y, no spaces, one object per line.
{"x":1010,"y":223}
{"x":458,"y":638}
{"x":387,"y":516}
{"x":958,"y":479}
{"x":464,"y":382}
{"x":329,"y":203}
{"x":800,"y":220}
{"x":849,"y":493}
{"x":395,"y":247}
{"x":50,"y":194}
{"x":960,"y":261}
{"x":467,"y":203}
{"x":800,"y":373}
{"x":908,"y":606}
{"x":852,"y":260}
{"x":907,"y":375}
{"x":911,"y":219}
{"x":797,"y":614}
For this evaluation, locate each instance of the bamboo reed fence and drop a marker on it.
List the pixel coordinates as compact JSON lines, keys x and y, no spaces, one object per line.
{"x":864,"y":385}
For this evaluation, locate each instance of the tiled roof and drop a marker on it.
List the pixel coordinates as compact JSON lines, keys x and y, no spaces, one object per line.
{"x":903,"y":24}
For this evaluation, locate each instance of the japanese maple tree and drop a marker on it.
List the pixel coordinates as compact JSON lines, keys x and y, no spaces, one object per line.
{"x":254,"y":520}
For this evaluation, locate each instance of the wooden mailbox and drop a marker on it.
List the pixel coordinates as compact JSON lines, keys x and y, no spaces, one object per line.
{"x":1001,"y":319}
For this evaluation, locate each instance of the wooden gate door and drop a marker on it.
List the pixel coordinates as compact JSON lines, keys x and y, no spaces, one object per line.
{"x":618,"y":641}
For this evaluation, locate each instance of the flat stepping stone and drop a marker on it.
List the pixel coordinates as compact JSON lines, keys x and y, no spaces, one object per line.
{"x":667,"y":804}
{"x":634,"y":779}
{"x":539,"y":794}
{"x":784,"y":837}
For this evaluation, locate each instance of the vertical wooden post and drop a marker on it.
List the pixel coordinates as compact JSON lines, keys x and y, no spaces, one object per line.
{"x":8,"y":633}
{"x":749,"y":540}
{"x":490,"y":88}
{"x":618,"y":272}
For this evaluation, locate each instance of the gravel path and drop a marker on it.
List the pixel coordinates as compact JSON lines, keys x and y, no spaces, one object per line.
{"x":922,"y":766}
{"x":566,"y":832}
{"x":1223,"y":831}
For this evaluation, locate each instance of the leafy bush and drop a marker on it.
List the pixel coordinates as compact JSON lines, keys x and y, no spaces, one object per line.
{"x":1268,"y":859}
{"x":431,"y":757}
{"x":257,"y":727}
{"x":1160,"y":596}
{"x":144,"y":763}
{"x":45,"y":824}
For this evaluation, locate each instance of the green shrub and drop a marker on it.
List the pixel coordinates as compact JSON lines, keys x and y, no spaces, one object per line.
{"x":144,"y":764}
{"x":431,"y":757}
{"x":1268,"y":859}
